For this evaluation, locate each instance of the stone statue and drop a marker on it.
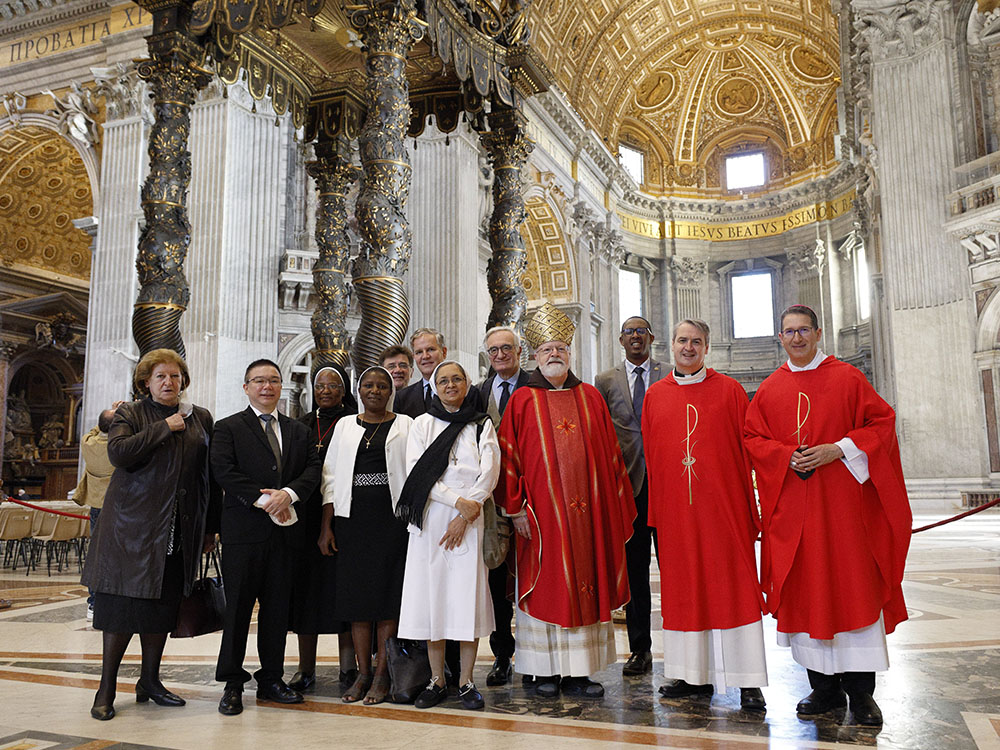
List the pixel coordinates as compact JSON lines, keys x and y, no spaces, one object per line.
{"x":52,"y":432}
{"x":75,"y":113}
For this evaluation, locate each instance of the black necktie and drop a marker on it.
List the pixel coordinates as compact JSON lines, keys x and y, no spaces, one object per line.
{"x":504,"y":395}
{"x":427,"y":397}
{"x":638,"y":392}
{"x":272,"y":438}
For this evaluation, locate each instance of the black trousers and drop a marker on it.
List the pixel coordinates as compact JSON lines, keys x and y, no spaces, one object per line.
{"x":501,"y":639}
{"x":637,"y":559}
{"x":851,"y":682}
{"x":255,"y":573}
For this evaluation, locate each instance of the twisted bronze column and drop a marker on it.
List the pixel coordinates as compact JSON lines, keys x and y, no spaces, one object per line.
{"x":175,"y":79}
{"x":334,"y":174}
{"x":508,"y":148}
{"x":388,"y":29}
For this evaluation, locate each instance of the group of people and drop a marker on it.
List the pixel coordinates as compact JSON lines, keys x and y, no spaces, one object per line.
{"x":369,"y":517}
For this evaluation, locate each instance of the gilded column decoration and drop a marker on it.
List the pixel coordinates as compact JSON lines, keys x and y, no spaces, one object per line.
{"x":334,"y":174}
{"x":175,"y":79}
{"x":508,"y":148}
{"x":388,"y":29}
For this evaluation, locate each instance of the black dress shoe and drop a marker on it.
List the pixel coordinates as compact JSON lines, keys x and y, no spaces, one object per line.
{"x":638,"y":663}
{"x":303,"y":681}
{"x":547,"y":687}
{"x":278,"y":692}
{"x":431,"y":696}
{"x":821,"y":701}
{"x":232,"y":702}
{"x":681,"y":689}
{"x":752,"y":699}
{"x":103,"y":713}
{"x":470,"y":696}
{"x":865,"y":709}
{"x":161,"y":697}
{"x":528,"y":680}
{"x":581,"y":687}
{"x":499,"y":673}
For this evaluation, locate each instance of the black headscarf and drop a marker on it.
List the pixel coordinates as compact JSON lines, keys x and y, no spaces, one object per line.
{"x":431,"y":465}
{"x":320,"y":420}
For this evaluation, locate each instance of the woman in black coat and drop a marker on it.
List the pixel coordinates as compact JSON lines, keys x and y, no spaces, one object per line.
{"x":161,"y":511}
{"x":314,"y":582}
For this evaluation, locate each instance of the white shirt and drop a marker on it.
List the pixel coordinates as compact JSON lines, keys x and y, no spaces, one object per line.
{"x":498,"y":391}
{"x":277,"y":432}
{"x":854,"y":458}
{"x":631,"y":375}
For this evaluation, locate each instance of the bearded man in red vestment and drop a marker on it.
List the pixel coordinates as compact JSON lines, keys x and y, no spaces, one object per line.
{"x":702,"y":504}
{"x":563,"y":482}
{"x":836,"y":518}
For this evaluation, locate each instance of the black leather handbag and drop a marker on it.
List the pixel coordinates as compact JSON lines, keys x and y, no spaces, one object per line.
{"x":203,"y":609}
{"x":408,"y":667}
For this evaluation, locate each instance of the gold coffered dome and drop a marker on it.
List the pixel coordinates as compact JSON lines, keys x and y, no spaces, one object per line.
{"x":690,"y":82}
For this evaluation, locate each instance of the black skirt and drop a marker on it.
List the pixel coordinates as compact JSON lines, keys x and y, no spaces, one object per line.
{"x":314,"y":584}
{"x":371,"y":543}
{"x":127,"y":614}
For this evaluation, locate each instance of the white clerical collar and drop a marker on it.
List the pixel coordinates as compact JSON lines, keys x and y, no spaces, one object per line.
{"x":632,"y":368}
{"x":695,"y":377}
{"x":816,"y":361}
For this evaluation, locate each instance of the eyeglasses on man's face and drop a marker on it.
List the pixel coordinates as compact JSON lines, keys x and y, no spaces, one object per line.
{"x":804,"y":331}
{"x":261,"y":381}
{"x":641,"y":330}
{"x":557,"y":349}
{"x":495,"y":350}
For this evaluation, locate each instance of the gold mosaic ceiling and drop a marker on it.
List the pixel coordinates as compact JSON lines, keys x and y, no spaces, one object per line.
{"x":43,"y":187}
{"x":690,"y":81}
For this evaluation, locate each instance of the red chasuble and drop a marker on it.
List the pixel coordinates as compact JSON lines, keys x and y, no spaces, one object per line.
{"x":833,"y":550}
{"x":561,"y":461}
{"x":701,"y":502}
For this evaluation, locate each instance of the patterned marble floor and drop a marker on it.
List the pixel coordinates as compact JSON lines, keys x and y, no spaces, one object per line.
{"x":943,"y":690}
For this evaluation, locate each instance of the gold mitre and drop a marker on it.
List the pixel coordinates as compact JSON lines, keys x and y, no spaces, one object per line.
{"x":549,"y":323}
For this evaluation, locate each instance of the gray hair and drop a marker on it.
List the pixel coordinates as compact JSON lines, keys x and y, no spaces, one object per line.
{"x":498,"y":329}
{"x":427,"y":332}
{"x":701,"y":325}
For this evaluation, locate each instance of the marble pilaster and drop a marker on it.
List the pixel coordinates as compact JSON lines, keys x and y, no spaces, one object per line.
{"x":928,"y":301}
{"x":443,"y":209}
{"x":237,"y":209}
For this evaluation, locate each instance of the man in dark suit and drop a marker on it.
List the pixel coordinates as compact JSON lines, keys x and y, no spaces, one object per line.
{"x":624,"y":388}
{"x":503,"y":347}
{"x":428,"y":352}
{"x":250,"y":459}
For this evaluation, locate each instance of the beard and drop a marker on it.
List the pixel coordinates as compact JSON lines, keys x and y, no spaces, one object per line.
{"x":554,"y":368}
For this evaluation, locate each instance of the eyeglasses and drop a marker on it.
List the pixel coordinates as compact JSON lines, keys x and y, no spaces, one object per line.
{"x":641,"y":330}
{"x":397,"y":366}
{"x":495,"y":350}
{"x":328,"y":387}
{"x":454,"y":380}
{"x":259,"y":381}
{"x":803,"y":332}
{"x":558,"y":349}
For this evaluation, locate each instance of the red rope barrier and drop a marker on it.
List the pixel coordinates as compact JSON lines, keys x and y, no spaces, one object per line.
{"x":48,"y":510}
{"x":956,"y":518}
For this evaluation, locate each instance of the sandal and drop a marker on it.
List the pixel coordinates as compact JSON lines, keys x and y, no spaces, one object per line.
{"x":379,"y":690}
{"x":357,"y":691}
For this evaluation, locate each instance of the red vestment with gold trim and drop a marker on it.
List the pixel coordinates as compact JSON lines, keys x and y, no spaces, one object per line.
{"x":562,"y":462}
{"x":833,"y":550}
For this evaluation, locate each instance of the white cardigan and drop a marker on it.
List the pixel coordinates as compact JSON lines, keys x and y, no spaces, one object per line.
{"x":338,"y":469}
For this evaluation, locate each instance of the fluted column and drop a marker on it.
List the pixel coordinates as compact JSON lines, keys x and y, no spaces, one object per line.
{"x":334,"y":173}
{"x":508,"y":148}
{"x":110,"y":355}
{"x":929,"y":303}
{"x":444,"y":278}
{"x":175,"y":79}
{"x":6,"y":353}
{"x":388,"y":29}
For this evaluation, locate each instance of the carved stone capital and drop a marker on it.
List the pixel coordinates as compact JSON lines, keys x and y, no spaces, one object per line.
{"x":898,"y":28}
{"x":807,"y":260}
{"x":7,"y":349}
{"x":688,"y":271}
{"x":124,"y":92}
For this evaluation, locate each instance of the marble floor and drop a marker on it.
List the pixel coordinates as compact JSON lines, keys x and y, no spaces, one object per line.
{"x":943,"y":690}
